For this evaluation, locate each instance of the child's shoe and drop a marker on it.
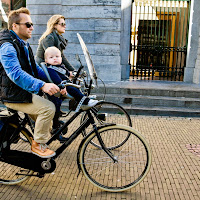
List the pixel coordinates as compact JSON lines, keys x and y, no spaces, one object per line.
{"x":90,"y":104}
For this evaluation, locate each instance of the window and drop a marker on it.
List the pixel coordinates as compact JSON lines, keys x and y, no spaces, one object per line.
{"x":5,"y":7}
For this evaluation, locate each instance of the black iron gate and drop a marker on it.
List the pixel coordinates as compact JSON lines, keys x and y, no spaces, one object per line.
{"x":159,"y":39}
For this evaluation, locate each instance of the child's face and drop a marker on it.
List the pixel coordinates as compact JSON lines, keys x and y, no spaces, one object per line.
{"x":53,"y":58}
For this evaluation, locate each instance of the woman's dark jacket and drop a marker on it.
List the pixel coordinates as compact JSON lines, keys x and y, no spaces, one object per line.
{"x":53,"y":39}
{"x":9,"y":91}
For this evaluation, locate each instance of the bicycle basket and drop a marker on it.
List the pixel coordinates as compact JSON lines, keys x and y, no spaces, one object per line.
{"x":7,"y":132}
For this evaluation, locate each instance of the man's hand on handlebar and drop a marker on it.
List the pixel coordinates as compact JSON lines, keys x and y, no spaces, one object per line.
{"x":50,"y":88}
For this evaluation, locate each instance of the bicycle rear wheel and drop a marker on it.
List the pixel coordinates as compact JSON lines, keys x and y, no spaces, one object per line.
{"x":133,"y":159}
{"x":8,"y":172}
{"x":115,"y":114}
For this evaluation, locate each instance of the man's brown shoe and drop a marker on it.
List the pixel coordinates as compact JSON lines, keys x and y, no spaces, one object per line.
{"x":41,"y":150}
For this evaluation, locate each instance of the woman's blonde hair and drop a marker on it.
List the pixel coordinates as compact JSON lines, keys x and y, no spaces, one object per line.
{"x":50,"y":25}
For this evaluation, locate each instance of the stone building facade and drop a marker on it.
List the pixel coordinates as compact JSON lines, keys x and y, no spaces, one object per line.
{"x":105,"y":26}
{"x":99,"y":22}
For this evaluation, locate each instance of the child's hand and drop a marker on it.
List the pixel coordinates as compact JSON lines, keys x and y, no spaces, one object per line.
{"x":63,"y":91}
{"x":71,"y":75}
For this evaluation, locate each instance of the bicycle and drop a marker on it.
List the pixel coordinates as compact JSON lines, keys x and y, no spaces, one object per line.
{"x":108,"y":154}
{"x":102,"y":107}
{"x":111,"y":169}
{"x":82,"y":81}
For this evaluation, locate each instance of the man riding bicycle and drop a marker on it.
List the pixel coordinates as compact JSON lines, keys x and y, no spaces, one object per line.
{"x":20,"y":83}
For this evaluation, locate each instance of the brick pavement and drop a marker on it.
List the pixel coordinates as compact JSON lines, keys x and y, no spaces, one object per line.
{"x":174,"y":174}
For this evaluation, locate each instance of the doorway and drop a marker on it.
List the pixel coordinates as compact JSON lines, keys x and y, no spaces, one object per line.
{"x":159,"y":35}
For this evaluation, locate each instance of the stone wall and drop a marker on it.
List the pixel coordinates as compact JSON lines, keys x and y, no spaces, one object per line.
{"x":97,"y":21}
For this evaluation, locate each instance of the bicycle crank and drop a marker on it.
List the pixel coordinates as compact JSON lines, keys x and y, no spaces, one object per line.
{"x":28,"y":161}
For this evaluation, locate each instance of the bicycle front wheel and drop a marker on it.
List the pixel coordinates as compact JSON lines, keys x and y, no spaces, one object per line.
{"x":115,"y":114}
{"x":133,"y":159}
{"x":11,"y":174}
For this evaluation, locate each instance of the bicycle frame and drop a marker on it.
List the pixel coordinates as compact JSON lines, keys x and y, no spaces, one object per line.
{"x":35,"y":161}
{"x":27,"y":164}
{"x":77,"y":132}
{"x":90,"y":160}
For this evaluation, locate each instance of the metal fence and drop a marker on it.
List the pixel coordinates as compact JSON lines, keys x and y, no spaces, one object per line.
{"x":159,"y":39}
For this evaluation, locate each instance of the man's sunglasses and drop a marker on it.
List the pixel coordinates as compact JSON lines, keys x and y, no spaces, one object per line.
{"x":62,"y":24}
{"x":28,"y":24}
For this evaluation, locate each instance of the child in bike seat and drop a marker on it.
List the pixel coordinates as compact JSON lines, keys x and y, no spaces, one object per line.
{"x":58,"y":73}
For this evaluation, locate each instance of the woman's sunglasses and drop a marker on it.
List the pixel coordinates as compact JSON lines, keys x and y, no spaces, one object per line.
{"x":62,"y":24}
{"x":28,"y":24}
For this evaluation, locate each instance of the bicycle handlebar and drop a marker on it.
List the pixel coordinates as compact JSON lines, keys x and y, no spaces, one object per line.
{"x":64,"y":84}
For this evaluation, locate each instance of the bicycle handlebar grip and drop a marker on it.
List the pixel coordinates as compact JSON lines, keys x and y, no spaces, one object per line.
{"x":61,"y":86}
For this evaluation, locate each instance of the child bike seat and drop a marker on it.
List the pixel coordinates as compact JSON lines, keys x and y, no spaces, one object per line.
{"x":64,"y":83}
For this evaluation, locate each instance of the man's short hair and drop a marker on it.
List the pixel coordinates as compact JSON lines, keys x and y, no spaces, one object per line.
{"x":14,"y":16}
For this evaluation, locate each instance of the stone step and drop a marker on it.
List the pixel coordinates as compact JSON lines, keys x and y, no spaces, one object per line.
{"x":153,"y":110}
{"x":170,"y":101}
{"x":152,"y":98}
{"x":163,"y":111}
{"x":144,"y":100}
{"x":170,"y":92}
{"x":149,"y":110}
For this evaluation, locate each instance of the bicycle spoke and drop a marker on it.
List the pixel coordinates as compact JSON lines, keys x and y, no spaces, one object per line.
{"x":132,"y":157}
{"x":112,"y":110}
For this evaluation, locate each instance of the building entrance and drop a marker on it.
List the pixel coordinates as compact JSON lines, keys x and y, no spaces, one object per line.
{"x":159,"y":39}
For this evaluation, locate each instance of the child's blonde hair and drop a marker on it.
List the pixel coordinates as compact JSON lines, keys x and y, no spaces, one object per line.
{"x":51,"y":50}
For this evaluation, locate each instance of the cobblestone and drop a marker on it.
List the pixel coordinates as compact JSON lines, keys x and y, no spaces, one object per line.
{"x":174,"y":174}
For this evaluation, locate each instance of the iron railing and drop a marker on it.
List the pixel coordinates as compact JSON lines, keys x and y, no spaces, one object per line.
{"x":159,"y":39}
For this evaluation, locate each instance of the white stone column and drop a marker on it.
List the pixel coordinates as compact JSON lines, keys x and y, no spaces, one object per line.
{"x":125,"y":38}
{"x":196,"y":76}
{"x":192,"y":69}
